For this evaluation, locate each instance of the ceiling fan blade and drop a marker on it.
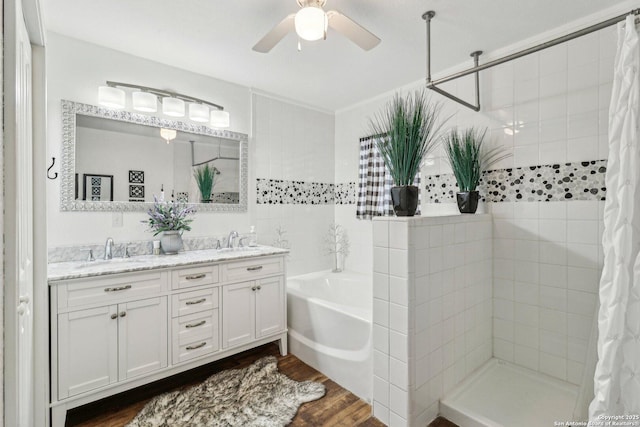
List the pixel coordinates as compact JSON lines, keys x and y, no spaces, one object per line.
{"x":274,"y":36}
{"x":352,"y":30}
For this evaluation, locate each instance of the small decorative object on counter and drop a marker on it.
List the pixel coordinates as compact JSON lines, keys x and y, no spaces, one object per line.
{"x":156,"y":247}
{"x":253,"y":236}
{"x":170,"y":220}
{"x":468,"y":159}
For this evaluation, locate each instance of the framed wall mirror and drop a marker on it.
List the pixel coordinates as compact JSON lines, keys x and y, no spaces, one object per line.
{"x":118,"y":161}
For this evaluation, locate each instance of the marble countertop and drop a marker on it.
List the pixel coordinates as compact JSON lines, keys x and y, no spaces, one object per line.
{"x":79,"y":269}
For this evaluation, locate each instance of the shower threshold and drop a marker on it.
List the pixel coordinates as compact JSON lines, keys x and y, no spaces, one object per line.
{"x":501,"y":394}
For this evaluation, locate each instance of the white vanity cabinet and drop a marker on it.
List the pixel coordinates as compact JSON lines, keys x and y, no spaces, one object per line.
{"x":103,"y":345}
{"x":114,"y":332}
{"x":255,"y":306}
{"x":109,"y":329}
{"x":252,"y":310}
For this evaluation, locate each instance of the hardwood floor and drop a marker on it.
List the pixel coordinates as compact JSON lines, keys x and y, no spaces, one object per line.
{"x":339,"y":407}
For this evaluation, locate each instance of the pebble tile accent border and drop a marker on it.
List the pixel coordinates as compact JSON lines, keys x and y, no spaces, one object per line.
{"x":567,"y":181}
{"x":276,"y":191}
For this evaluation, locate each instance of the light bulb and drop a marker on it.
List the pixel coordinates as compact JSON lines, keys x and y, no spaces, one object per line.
{"x":144,"y":101}
{"x":111,"y":97}
{"x":311,"y":23}
{"x":173,"y":107}
{"x":198,"y":112}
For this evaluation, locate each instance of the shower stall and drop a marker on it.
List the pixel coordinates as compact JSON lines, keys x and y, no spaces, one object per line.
{"x":501,"y":319}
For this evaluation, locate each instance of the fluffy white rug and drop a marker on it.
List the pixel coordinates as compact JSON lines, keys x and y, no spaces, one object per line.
{"x":257,"y":396}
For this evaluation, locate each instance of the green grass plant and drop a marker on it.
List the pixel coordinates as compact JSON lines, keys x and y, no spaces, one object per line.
{"x":407,"y":129}
{"x":469,"y":157}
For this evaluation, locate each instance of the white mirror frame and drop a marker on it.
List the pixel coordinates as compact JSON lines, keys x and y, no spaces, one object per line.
{"x":68,"y":201}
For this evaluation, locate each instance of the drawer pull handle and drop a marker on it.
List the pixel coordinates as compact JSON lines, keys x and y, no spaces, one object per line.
{"x":123,"y":313}
{"x":259,"y":287}
{"x":119,"y":288}
{"x":196,"y":276}
{"x":193,"y":347}
{"x":256,"y":268}
{"x":114,"y":316}
{"x":253,"y":288}
{"x":198,"y":301}
{"x":195,"y":325}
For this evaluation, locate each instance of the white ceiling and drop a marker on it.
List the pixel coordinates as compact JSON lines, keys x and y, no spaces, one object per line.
{"x":214,"y":37}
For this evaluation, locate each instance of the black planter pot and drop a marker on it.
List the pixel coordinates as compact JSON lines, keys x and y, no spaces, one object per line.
{"x":467,"y":201}
{"x":405,"y":200}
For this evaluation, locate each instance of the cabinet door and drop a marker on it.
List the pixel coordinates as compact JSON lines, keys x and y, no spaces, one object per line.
{"x":238,"y":314}
{"x":87,"y":350}
{"x":269,"y":306}
{"x":142,"y":337}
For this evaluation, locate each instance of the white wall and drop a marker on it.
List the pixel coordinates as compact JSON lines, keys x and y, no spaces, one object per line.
{"x":289,"y":142}
{"x":75,"y":70}
{"x":294,"y":143}
{"x":546,"y":108}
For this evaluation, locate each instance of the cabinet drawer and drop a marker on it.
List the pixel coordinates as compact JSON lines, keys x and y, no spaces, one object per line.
{"x":186,"y":303}
{"x":108,"y":290}
{"x":194,"y":276}
{"x":252,"y":269}
{"x":195,"y":335}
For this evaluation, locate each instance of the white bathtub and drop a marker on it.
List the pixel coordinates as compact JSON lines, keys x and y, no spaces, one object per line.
{"x":329,"y":319}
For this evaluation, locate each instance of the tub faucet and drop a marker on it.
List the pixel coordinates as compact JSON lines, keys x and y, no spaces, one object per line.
{"x":108,"y":248}
{"x":232,"y":238}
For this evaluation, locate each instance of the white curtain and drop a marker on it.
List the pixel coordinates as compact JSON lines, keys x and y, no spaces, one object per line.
{"x":617,"y":376}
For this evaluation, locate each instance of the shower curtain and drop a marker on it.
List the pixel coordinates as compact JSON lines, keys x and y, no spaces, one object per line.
{"x":617,"y":376}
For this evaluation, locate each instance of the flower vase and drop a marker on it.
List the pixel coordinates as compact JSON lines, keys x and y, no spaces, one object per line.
{"x":171,"y":242}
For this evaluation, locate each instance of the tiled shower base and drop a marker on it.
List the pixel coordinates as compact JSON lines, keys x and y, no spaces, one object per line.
{"x":504,"y":395}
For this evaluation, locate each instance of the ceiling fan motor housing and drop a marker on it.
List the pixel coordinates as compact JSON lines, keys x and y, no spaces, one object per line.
{"x":314,"y":3}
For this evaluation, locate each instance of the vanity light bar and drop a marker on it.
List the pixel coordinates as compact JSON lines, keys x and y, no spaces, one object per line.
{"x":173,"y":104}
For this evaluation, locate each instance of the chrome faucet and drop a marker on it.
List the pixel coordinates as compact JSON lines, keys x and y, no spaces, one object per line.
{"x":232,"y":238}
{"x":108,"y":248}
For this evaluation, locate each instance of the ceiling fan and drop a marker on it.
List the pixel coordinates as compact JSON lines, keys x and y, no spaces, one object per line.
{"x":311,"y":23}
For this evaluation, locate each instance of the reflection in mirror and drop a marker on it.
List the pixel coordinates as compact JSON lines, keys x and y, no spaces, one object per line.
{"x":129,"y":158}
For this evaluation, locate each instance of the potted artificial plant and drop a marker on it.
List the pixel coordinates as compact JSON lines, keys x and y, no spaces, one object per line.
{"x":407,"y":130}
{"x":468,"y":159}
{"x":205,"y":176}
{"x":169,"y":219}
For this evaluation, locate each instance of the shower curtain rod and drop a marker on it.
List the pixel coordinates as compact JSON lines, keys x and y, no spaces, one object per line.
{"x":432,"y":84}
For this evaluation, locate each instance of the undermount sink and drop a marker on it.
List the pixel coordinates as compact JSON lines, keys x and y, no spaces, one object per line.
{"x":101,"y":262}
{"x":240,"y":249}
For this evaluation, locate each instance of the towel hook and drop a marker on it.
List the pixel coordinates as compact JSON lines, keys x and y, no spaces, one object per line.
{"x":55,"y":174}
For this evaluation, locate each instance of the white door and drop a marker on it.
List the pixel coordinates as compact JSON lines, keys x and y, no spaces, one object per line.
{"x":269,"y":306}
{"x":238,"y":314}
{"x":142,"y":337}
{"x":18,"y":191}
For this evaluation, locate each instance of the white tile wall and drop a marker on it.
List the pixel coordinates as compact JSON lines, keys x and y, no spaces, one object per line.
{"x":554,"y":296}
{"x":294,"y":143}
{"x":432,"y":311}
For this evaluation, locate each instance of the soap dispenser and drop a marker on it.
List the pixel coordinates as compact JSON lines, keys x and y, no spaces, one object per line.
{"x":253,"y":236}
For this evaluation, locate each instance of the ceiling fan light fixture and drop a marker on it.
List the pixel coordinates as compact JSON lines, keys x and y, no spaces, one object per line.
{"x":311,"y":23}
{"x":168,"y":134}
